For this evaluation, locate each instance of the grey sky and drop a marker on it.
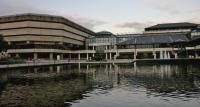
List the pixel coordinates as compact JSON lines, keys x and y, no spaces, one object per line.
{"x":117,"y":16}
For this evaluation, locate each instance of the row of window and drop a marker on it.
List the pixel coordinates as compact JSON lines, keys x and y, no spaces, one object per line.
{"x":101,"y":40}
{"x":195,"y":33}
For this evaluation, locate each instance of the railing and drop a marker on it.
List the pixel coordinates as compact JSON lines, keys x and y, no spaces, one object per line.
{"x":8,"y":64}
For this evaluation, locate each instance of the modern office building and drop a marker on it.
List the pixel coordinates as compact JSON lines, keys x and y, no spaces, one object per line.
{"x":171,"y":27}
{"x":100,"y":42}
{"x":33,"y":36}
{"x":164,"y":41}
{"x":37,"y":36}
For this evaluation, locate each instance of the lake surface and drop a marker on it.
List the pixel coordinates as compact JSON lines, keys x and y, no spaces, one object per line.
{"x":130,"y":85}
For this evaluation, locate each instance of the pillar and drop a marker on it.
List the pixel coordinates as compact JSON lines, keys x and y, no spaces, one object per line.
{"x":135,"y":55}
{"x":135,"y":52}
{"x":165,"y":54}
{"x":92,"y":47}
{"x":9,"y":55}
{"x":58,"y":69}
{"x":17,"y":55}
{"x":87,"y":67}
{"x":79,"y":56}
{"x":70,"y":56}
{"x":79,"y":67}
{"x":87,"y":56}
{"x":196,"y":54}
{"x":106,"y":47}
{"x":51,"y":69}
{"x":168,"y":55}
{"x":154,"y":55}
{"x":35,"y":56}
{"x":61,"y":56}
{"x":106,"y":56}
{"x":9,"y":43}
{"x":51,"y":56}
{"x":110,"y":56}
{"x":161,"y":54}
{"x":35,"y":70}
{"x":176,"y":55}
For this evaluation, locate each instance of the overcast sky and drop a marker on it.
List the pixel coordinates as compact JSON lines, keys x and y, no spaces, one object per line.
{"x":117,"y":16}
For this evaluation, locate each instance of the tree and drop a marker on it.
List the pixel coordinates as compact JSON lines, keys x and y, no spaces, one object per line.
{"x":3,"y":44}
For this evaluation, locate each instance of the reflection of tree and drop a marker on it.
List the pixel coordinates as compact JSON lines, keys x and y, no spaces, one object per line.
{"x":47,"y":87}
{"x":173,"y":82}
{"x":52,"y":93}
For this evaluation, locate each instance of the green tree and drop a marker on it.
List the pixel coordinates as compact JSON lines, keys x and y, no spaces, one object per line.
{"x":3,"y":44}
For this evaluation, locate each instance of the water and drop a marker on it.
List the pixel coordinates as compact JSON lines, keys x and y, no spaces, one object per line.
{"x":101,"y":86}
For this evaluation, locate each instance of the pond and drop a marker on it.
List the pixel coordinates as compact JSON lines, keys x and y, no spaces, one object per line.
{"x":102,"y":85}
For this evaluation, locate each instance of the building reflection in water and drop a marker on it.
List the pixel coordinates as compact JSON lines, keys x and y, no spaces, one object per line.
{"x":52,"y":86}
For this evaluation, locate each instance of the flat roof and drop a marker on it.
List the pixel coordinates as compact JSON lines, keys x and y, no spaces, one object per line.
{"x":172,"y":26}
{"x":162,"y":38}
{"x":45,"y":18}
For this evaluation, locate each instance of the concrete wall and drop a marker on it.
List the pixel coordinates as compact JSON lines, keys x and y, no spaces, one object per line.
{"x":168,"y":30}
{"x":42,"y":31}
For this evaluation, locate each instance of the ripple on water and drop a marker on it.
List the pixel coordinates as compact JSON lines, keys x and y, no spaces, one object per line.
{"x":118,"y":86}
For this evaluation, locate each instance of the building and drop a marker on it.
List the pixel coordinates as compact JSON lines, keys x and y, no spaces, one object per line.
{"x":39,"y":36}
{"x":162,"y":41}
{"x":100,"y":42}
{"x":165,"y":41}
{"x":171,"y":27}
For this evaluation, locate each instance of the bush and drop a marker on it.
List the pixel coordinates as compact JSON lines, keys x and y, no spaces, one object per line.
{"x":11,"y":61}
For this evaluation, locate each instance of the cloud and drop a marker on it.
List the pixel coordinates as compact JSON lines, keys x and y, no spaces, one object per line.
{"x":173,"y":7}
{"x":87,"y":22}
{"x":10,"y":7}
{"x":137,"y":26}
{"x":194,"y":20}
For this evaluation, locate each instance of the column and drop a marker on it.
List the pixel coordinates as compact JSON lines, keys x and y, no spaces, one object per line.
{"x":196,"y":54}
{"x":92,"y":47}
{"x":168,"y":55}
{"x":135,"y":55}
{"x":79,"y":67}
{"x":17,"y":55}
{"x":110,"y":56}
{"x":87,"y":67}
{"x":35,"y":70}
{"x":161,"y":54}
{"x":79,"y":56}
{"x":61,"y":56}
{"x":176,"y":55}
{"x":70,"y":56}
{"x":51,"y":56}
{"x":106,"y":56}
{"x":9,"y":55}
{"x":165,"y":54}
{"x":154,"y":55}
{"x":51,"y":69}
{"x":115,"y":56}
{"x":87,"y":56}
{"x":35,"y":56}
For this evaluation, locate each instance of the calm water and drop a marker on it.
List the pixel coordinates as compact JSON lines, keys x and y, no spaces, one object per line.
{"x":102,"y":86}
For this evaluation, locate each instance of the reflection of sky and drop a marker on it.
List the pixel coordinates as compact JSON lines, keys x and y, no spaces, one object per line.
{"x":104,"y":85}
{"x":114,"y":15}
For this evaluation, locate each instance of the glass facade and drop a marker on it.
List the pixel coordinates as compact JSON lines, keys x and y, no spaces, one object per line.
{"x":101,"y":43}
